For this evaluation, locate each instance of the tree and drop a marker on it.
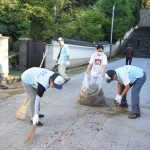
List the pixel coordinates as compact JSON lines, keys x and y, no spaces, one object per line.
{"x":10,"y":19}
{"x":11,"y":23}
{"x":123,"y":19}
{"x":84,"y":3}
{"x":90,"y":25}
{"x":40,"y":17}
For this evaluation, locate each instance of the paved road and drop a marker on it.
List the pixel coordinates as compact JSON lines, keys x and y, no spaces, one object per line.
{"x":70,"y":126}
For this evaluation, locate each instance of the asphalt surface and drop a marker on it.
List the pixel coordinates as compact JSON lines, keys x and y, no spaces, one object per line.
{"x":71,"y":126}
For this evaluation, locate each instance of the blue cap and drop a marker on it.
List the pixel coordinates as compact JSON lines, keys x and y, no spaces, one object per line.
{"x":58,"y":82}
{"x":57,"y":86}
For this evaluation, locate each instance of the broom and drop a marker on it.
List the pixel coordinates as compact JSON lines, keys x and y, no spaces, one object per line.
{"x":22,"y":110}
{"x":30,"y":135}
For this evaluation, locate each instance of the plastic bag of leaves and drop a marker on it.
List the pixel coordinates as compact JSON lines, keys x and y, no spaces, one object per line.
{"x":91,"y":94}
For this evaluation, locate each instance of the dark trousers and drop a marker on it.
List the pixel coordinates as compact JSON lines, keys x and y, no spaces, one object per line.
{"x":135,"y":92}
{"x":128,"y":60}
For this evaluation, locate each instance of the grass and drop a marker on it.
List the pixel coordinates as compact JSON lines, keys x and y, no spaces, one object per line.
{"x":76,"y":70}
{"x":15,"y":72}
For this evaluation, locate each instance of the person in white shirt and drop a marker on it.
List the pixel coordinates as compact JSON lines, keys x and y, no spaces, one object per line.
{"x":63,"y":59}
{"x":97,"y":64}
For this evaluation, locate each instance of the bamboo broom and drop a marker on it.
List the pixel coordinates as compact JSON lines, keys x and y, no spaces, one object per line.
{"x":30,"y":135}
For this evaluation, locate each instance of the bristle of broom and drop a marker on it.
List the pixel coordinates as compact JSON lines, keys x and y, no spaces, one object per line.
{"x":30,"y":135}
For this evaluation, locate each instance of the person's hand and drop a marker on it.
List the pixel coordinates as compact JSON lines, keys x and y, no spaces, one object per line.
{"x":35,"y":119}
{"x":116,"y":96}
{"x":67,"y":63}
{"x":118,"y":99}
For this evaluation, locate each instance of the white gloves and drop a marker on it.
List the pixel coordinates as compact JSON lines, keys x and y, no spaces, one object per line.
{"x":118,"y":98}
{"x":35,"y":119}
{"x":67,"y":63}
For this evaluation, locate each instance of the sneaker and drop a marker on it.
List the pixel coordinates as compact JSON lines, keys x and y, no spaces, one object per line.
{"x":39,"y":124}
{"x":41,"y":116}
{"x":133,"y":115}
{"x":67,"y":80}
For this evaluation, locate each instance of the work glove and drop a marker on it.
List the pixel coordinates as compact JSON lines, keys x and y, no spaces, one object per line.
{"x":35,"y":119}
{"x":118,"y":99}
{"x":67,"y":63}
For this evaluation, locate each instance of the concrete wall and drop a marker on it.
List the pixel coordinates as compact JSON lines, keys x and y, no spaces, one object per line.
{"x":144,"y":17}
{"x":79,"y":55}
{"x":4,"y":67}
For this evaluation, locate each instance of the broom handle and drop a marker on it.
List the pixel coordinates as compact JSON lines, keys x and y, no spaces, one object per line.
{"x":43,"y":58}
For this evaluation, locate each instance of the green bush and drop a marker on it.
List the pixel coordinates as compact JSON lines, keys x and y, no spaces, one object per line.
{"x":14,"y":60}
{"x":16,"y":46}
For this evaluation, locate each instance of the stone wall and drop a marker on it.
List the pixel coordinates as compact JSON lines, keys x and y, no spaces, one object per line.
{"x":144,"y":17}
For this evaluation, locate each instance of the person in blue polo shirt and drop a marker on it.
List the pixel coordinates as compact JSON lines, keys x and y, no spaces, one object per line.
{"x":127,"y":77}
{"x":36,"y":81}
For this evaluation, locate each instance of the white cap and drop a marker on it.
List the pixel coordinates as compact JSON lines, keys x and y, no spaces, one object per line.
{"x":59,"y":80}
{"x":60,"y":39}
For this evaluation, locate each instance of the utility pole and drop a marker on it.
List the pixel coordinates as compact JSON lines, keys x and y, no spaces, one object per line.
{"x":112,"y":25}
{"x":56,"y":18}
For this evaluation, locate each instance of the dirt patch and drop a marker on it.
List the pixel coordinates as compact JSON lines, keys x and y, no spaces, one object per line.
{"x":115,"y":111}
{"x":13,"y":89}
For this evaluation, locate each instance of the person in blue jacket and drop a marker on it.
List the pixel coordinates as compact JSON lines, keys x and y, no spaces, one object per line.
{"x":36,"y":81}
{"x":126,"y":77}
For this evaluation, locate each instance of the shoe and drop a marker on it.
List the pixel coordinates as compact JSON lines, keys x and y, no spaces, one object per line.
{"x":67,"y":80}
{"x":39,"y":124}
{"x":41,"y":116}
{"x":133,"y":115}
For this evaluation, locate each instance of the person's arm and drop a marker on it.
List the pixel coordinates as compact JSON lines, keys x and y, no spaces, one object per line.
{"x":127,"y":87}
{"x":40,"y":92}
{"x":104,"y":63}
{"x":89,"y":67}
{"x":126,"y":82}
{"x":103,"y":70}
{"x":118,"y":88}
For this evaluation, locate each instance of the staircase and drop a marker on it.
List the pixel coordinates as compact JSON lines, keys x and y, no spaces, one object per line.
{"x":140,"y":41}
